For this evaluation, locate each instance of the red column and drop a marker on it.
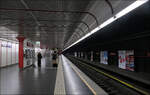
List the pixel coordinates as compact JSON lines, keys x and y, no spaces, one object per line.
{"x":21,"y":45}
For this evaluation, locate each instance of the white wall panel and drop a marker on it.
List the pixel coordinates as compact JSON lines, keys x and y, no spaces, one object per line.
{"x":0,"y":53}
{"x":8,"y":51}
{"x":3,"y":54}
{"x":17,"y":53}
{"x":13,"y":53}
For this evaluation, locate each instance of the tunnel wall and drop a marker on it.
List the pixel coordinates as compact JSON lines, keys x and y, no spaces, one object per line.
{"x":140,"y":59}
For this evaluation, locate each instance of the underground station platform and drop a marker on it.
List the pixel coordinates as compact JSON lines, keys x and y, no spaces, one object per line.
{"x":66,"y":79}
{"x":74,"y":47}
{"x":49,"y":80}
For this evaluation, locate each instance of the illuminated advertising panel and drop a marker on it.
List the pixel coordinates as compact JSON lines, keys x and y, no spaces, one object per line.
{"x":104,"y":57}
{"x":122,"y":59}
{"x":91,"y":55}
{"x":126,"y":59}
{"x":130,"y":60}
{"x":75,"y":54}
{"x":81,"y":54}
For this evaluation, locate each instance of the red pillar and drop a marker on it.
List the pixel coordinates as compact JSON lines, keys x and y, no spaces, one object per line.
{"x":21,"y":45}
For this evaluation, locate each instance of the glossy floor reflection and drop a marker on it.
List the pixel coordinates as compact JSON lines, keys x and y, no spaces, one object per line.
{"x":32,"y":80}
{"x":74,"y":85}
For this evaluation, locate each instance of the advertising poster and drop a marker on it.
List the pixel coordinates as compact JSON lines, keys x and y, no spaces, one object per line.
{"x":75,"y":54}
{"x":126,"y":59}
{"x":81,"y":54}
{"x":122,"y":59}
{"x":130,"y":60}
{"x":104,"y":57}
{"x":91,"y":55}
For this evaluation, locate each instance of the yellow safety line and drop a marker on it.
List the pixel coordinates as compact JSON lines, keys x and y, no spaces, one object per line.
{"x":129,"y":85}
{"x":84,"y":81}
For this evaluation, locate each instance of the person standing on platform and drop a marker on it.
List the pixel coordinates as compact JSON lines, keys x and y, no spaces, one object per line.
{"x":39,"y":59}
{"x":54,"y":59}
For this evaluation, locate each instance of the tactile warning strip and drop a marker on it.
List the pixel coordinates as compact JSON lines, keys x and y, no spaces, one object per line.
{"x":60,"y":84}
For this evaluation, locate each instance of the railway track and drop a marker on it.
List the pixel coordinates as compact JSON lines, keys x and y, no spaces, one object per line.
{"x":111,"y":84}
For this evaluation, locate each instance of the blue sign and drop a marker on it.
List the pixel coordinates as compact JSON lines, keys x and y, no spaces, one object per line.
{"x":6,"y":45}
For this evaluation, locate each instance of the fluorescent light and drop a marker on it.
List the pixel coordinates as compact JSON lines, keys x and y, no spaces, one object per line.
{"x":131,"y":7}
{"x":112,"y":19}
{"x":95,"y":30}
{"x":128,"y":9}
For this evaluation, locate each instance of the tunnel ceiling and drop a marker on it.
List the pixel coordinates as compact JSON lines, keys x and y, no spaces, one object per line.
{"x":131,"y":32}
{"x":56,"y":23}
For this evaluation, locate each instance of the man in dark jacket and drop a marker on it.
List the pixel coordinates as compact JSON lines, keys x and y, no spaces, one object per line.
{"x":39,"y":59}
